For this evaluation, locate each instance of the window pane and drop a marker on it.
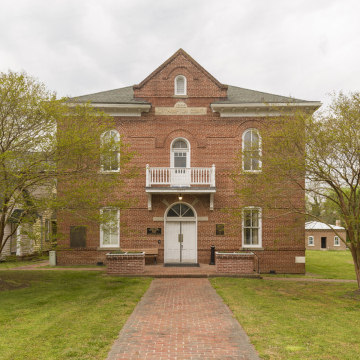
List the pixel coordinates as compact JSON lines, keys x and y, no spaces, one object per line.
{"x":255,"y":218}
{"x":174,"y":211}
{"x":247,"y":141}
{"x":179,"y":161}
{"x":114,"y":236}
{"x":255,"y":160}
{"x":255,"y":236}
{"x":186,"y":211}
{"x":106,"y":235}
{"x":255,"y":140}
{"x":247,"y":236}
{"x":115,"y":160}
{"x":180,"y":144}
{"x":247,"y":161}
{"x":247,"y":218}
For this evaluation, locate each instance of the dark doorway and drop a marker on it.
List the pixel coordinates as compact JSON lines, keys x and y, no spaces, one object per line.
{"x":323,"y":242}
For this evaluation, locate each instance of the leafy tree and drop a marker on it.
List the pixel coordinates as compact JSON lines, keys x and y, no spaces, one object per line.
{"x":314,"y":155}
{"x":45,"y":141}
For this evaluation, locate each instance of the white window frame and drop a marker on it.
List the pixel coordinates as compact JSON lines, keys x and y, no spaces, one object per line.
{"x":185,"y":85}
{"x":172,"y":151}
{"x":102,"y":229}
{"x":336,"y":238}
{"x":243,"y":149}
{"x":260,"y":228}
{"x":313,"y":241}
{"x":101,"y":160}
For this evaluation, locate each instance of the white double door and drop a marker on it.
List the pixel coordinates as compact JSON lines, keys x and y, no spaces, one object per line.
{"x":180,"y":242}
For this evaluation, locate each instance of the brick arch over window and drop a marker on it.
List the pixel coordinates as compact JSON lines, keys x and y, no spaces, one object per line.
{"x":180,"y":133}
{"x":199,"y":207}
{"x":180,"y":70}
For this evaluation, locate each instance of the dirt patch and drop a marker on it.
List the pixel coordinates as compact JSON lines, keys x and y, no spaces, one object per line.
{"x":354,"y":295}
{"x":12,"y":285}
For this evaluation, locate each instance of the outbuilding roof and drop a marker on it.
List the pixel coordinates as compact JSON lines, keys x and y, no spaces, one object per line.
{"x":317,"y":225}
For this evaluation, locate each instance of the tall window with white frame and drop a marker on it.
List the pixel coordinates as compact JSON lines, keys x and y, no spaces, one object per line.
{"x":336,"y":241}
{"x":110,"y":229}
{"x":252,"y":227}
{"x":251,"y":144}
{"x":180,"y":85}
{"x":310,"y":241}
{"x":110,"y":159}
{"x":180,"y":154}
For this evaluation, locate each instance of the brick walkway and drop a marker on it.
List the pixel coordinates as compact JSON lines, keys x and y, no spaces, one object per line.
{"x":182,"y":319}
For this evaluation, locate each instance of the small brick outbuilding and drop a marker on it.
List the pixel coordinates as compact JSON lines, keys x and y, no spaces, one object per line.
{"x":319,"y":236}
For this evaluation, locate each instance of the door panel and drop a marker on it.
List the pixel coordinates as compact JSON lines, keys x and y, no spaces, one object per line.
{"x":189,"y":241}
{"x":172,"y":245}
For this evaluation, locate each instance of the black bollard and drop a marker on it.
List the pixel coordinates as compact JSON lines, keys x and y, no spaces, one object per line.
{"x":212,"y":260}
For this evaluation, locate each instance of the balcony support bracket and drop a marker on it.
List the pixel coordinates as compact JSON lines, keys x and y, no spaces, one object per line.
{"x":149,"y":196}
{"x":212,"y":201}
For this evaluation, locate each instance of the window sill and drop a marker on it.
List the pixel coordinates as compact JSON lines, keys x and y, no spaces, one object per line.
{"x":180,"y":96}
{"x":109,"y":171}
{"x":311,"y":245}
{"x":249,"y":248}
{"x":251,"y":171}
{"x":104,"y":248}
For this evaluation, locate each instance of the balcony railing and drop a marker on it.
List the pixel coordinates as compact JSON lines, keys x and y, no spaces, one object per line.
{"x":180,"y":176}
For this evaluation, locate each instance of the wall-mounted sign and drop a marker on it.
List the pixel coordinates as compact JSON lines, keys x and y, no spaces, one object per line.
{"x":153,"y":231}
{"x":180,"y":108}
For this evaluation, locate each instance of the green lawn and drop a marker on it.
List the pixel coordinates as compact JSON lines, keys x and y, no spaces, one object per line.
{"x":330,"y":264}
{"x":63,"y":314}
{"x":296,"y":320}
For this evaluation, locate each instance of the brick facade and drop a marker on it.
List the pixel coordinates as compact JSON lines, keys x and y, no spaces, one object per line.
{"x":213,"y":140}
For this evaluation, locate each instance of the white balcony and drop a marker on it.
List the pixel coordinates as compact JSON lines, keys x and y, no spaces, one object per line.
{"x":180,"y":177}
{"x":163,"y":180}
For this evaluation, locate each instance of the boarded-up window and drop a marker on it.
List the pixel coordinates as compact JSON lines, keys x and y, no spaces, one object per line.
{"x":78,"y":236}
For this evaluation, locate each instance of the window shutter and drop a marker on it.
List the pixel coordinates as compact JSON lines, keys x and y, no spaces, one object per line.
{"x":77,"y":236}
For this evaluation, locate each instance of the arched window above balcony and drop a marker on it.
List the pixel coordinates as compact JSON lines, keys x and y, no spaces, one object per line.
{"x":180,"y":153}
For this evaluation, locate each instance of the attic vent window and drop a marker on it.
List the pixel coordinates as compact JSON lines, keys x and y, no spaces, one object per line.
{"x":180,"y":85}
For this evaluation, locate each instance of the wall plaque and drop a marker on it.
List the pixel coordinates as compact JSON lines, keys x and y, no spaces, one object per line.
{"x":180,"y":108}
{"x":153,"y":231}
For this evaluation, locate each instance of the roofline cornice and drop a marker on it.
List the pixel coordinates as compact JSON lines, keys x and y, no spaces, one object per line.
{"x":121,"y":109}
{"x":262,"y":109}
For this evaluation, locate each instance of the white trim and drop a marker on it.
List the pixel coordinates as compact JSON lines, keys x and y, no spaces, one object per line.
{"x":261,"y":109}
{"x":101,"y":160}
{"x":259,"y":245}
{"x":188,"y":151}
{"x":313,"y":241}
{"x":120,"y":109}
{"x":101,"y":229}
{"x":260,"y":150}
{"x":176,"y":88}
{"x":338,"y":239}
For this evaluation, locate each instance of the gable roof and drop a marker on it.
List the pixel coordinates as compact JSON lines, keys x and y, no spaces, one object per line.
{"x":238,"y":95}
{"x":235,"y":95}
{"x":191,"y":60}
{"x":117,"y":96}
{"x":317,"y":225}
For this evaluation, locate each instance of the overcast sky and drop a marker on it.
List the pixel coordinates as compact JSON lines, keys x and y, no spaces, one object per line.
{"x":302,"y":48}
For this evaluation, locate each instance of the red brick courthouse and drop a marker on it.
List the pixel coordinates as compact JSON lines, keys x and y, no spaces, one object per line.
{"x":187,"y":128}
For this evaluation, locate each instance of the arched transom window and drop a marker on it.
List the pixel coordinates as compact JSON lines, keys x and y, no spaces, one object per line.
{"x":180,"y":211}
{"x":251,"y":150}
{"x":180,"y":85}
{"x":180,"y":157}
{"x":110,"y":159}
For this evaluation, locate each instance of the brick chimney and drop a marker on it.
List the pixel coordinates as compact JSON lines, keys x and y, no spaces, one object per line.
{"x":338,"y":223}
